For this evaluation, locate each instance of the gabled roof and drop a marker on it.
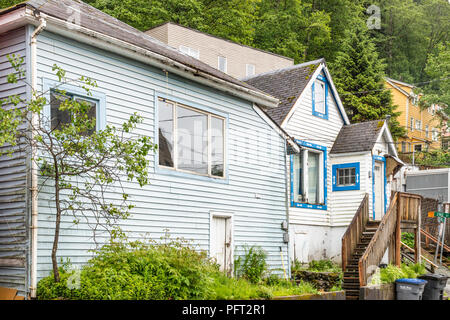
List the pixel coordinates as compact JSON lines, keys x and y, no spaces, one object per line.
{"x":93,"y":19}
{"x":396,"y":83}
{"x":286,"y":84}
{"x":358,"y":137}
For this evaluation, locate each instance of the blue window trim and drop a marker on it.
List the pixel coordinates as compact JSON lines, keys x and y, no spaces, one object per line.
{"x":173,"y":172}
{"x":355,"y":165}
{"x":98,"y":97}
{"x":314,"y":112}
{"x":383,"y":160}
{"x":325,"y":161}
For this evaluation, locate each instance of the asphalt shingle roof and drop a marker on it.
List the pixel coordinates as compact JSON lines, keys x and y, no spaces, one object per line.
{"x":357,"y":137}
{"x":96,"y":20}
{"x":285,"y":84}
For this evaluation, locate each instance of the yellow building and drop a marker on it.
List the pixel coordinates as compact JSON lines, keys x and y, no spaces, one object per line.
{"x":423,"y":126}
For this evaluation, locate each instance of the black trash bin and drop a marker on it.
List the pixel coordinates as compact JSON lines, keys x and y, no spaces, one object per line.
{"x":434,"y":289}
{"x":409,"y":289}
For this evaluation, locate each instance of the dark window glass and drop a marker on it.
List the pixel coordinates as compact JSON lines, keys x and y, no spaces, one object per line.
{"x":91,"y":113}
{"x":346,"y":176}
{"x":165,"y":116}
{"x":217,"y":147}
{"x":58,"y":117}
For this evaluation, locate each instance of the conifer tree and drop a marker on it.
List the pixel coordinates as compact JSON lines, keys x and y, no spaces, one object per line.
{"x":359,"y":77}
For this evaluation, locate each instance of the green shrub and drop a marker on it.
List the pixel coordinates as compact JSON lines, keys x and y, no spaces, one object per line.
{"x":408,"y":239}
{"x":252,"y":266}
{"x":137,"y":271}
{"x":392,"y":272}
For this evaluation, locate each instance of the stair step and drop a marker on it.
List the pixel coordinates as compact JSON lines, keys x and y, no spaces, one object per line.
{"x":352,"y":297}
{"x":352,"y":292}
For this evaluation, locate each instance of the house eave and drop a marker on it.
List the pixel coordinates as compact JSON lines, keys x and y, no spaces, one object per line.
{"x":23,"y":15}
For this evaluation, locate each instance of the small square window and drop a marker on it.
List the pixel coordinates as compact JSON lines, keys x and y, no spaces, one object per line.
{"x":346,"y":176}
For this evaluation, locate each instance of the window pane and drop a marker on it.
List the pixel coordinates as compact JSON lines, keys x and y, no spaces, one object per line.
{"x":313,"y":177}
{"x":319,"y":96}
{"x":192,"y":141}
{"x":298,"y":177}
{"x":222,"y":64}
{"x":165,"y":129}
{"x":58,"y":117}
{"x":91,"y":113}
{"x":217,"y":147}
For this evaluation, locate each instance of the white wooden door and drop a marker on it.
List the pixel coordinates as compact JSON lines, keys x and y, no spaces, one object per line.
{"x":221,"y":242}
{"x":301,"y":247}
{"x":379,"y":190}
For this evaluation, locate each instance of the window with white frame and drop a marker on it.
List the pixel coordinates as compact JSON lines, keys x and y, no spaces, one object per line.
{"x":418,"y":147}
{"x":308,"y":177}
{"x":191,"y":140}
{"x":190,"y":51}
{"x":411,"y":125}
{"x":418,"y":125}
{"x":426,"y":131}
{"x":435,"y":134}
{"x":222,"y":64}
{"x":249,"y":70}
{"x":59,"y":118}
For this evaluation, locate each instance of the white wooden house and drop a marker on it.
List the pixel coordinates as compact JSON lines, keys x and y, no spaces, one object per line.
{"x":221,"y":197}
{"x":339,"y":162}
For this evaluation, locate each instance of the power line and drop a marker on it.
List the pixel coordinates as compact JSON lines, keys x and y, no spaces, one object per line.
{"x":418,"y":84}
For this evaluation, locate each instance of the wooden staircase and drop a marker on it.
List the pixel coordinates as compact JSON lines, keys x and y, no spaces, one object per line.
{"x":365,"y":242}
{"x":351,"y":283}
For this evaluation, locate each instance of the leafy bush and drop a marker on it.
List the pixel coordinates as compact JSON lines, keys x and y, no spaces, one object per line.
{"x":392,"y":272}
{"x":316,"y":266}
{"x":137,"y":271}
{"x":408,"y":239}
{"x":252,"y":266}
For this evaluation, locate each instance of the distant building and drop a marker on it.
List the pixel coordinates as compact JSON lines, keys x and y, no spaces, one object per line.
{"x":422,"y":125}
{"x":237,"y":60}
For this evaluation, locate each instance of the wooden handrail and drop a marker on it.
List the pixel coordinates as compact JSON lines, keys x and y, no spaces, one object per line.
{"x":378,"y":245}
{"x":424,"y":258}
{"x":355,"y":230}
{"x":403,"y":207}
{"x":433,"y":238}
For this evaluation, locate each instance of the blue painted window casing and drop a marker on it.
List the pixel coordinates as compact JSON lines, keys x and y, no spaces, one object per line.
{"x":160,"y":169}
{"x":383,"y":160}
{"x":73,"y":91}
{"x":355,"y":186}
{"x":296,"y":204}
{"x":317,"y":113}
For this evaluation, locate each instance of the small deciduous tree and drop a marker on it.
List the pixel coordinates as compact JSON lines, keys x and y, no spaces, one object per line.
{"x":83,"y":167}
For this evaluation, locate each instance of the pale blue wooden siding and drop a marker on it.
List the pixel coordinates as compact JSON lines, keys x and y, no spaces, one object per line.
{"x":13,"y":179}
{"x":254,"y":191}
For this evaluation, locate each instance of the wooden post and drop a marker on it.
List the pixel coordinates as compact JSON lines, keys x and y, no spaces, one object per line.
{"x":417,"y":236}
{"x":427,"y":241}
{"x":398,"y":234}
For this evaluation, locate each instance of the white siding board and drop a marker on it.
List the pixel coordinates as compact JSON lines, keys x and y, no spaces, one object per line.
{"x":181,"y":204}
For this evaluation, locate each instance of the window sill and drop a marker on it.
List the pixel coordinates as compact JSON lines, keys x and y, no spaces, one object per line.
{"x":189,"y":175}
{"x":308,"y":206}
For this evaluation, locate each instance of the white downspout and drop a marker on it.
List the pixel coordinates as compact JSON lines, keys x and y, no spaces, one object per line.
{"x":34,"y":171}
